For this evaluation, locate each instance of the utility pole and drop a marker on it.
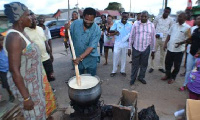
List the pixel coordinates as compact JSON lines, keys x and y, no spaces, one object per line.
{"x":166,"y":3}
{"x":130,"y":9}
{"x":77,"y":5}
{"x":163,"y":5}
{"x":68,"y":11}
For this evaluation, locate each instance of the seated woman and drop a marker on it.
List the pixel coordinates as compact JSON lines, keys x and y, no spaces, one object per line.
{"x":194,"y":81}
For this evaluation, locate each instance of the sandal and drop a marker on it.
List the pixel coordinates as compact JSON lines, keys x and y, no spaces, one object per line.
{"x":123,"y":74}
{"x":183,"y":88}
{"x":182,"y":74}
{"x":112,"y":74}
{"x":52,"y":78}
{"x":171,"y":81}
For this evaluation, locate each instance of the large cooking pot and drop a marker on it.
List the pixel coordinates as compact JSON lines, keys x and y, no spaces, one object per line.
{"x":85,"y":97}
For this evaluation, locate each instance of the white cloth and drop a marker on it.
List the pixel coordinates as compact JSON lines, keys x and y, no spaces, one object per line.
{"x":119,"y":52}
{"x":163,"y":25}
{"x":47,"y":33}
{"x":178,"y":33}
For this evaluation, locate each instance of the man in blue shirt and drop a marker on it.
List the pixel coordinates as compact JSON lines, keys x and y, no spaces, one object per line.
{"x":4,"y":69}
{"x":121,"y":31}
{"x":85,"y":35}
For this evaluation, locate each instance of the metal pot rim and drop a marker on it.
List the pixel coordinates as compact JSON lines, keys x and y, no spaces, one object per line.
{"x":84,"y":75}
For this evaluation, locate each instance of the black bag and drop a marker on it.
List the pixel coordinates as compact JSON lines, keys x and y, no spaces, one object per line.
{"x":148,"y":114}
{"x":106,"y":111}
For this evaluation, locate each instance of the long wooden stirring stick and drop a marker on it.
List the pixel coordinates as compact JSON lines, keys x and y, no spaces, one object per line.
{"x":78,"y":79}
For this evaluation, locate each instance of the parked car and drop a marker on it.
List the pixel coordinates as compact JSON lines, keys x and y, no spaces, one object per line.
{"x":54,"y":26}
{"x":97,"y":20}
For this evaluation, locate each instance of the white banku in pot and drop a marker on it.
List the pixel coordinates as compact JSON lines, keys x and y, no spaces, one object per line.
{"x":86,"y":82}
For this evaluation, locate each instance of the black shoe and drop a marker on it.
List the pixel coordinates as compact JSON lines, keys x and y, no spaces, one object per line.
{"x":112,"y":74}
{"x":51,"y":78}
{"x":142,"y":81}
{"x":162,"y":70}
{"x":132,"y":82}
{"x":123,"y":74}
{"x":151,"y":70}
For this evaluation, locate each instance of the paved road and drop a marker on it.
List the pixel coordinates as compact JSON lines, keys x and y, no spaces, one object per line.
{"x":166,"y":98}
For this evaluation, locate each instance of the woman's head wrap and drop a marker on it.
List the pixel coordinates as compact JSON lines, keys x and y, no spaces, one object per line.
{"x":14,"y":11}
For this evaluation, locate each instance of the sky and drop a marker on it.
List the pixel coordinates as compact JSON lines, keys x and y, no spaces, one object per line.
{"x":51,"y":6}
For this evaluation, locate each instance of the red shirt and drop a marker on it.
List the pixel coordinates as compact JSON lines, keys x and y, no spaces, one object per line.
{"x":190,"y":22}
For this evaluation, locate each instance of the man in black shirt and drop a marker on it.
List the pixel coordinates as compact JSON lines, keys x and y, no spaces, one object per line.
{"x":194,"y":40}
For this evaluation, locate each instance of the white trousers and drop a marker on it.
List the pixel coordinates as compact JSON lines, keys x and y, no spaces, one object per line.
{"x":119,"y":53}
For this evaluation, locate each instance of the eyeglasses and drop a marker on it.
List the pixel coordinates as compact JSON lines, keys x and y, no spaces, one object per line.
{"x":87,"y":21}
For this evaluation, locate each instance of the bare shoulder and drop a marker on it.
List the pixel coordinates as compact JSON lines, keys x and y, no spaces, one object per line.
{"x":14,"y":39}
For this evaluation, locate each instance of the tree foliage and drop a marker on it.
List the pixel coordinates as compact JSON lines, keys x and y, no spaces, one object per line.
{"x":115,"y":6}
{"x":198,"y":2}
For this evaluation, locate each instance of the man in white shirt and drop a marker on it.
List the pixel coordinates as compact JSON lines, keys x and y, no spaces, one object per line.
{"x":177,"y":33}
{"x":138,"y":18}
{"x":41,"y":20}
{"x":122,"y":31}
{"x":36,"y":35}
{"x":162,"y":24}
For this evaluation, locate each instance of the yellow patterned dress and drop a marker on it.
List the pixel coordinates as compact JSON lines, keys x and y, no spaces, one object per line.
{"x":49,"y":96}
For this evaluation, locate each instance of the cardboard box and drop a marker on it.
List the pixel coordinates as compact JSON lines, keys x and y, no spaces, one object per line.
{"x":192,"y":109}
{"x":126,"y":109}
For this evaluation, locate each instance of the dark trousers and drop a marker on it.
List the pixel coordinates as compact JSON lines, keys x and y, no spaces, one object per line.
{"x":48,"y":67}
{"x":91,"y":68}
{"x":3,"y":79}
{"x":173,"y":58}
{"x":101,"y":42}
{"x":139,"y":60}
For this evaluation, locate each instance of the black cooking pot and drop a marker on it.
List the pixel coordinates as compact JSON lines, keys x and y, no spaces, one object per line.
{"x":85,"y":97}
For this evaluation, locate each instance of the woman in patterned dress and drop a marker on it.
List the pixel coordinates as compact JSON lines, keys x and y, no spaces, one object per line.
{"x":108,"y":40}
{"x":25,"y":67}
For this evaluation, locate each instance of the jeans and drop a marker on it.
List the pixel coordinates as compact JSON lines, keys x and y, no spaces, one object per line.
{"x":189,"y":66}
{"x":91,"y":69}
{"x":101,"y":42}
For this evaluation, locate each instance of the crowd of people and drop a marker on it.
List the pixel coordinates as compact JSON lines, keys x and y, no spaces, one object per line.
{"x":142,"y":39}
{"x":26,"y":59}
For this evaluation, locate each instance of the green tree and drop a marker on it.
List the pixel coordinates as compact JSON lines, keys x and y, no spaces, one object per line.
{"x":198,"y":2}
{"x":115,"y":6}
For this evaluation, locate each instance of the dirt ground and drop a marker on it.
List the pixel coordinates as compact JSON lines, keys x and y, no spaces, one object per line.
{"x":166,"y":98}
